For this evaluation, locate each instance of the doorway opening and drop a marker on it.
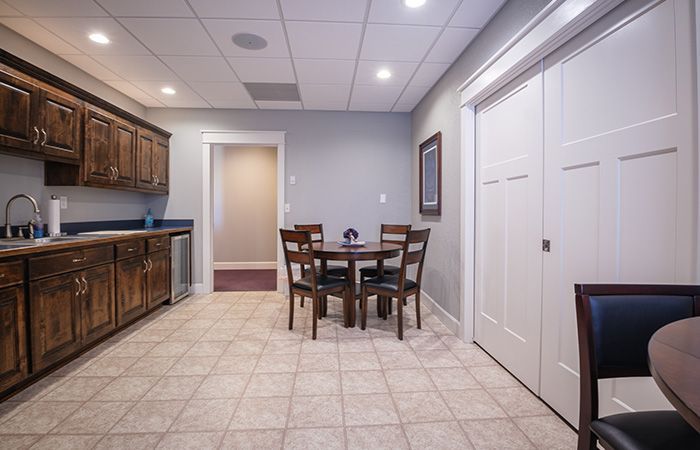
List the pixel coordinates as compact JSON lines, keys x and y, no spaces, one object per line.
{"x":245,"y":222}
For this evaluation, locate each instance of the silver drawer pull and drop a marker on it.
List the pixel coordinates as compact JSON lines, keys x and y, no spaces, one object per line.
{"x":79,"y":260}
{"x":130,"y":249}
{"x":158,"y":244}
{"x":2,"y":275}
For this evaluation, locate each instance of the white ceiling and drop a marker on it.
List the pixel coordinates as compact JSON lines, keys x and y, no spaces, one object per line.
{"x":331,"y":48}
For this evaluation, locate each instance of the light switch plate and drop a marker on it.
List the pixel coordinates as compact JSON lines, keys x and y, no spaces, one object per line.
{"x":382,"y":198}
{"x":287,"y":208}
{"x":292,"y":179}
{"x":64,"y":202}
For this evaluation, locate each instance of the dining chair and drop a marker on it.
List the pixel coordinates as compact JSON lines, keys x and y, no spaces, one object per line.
{"x":387,"y":287}
{"x":615,"y":323}
{"x":313,"y":285}
{"x":391,"y":234}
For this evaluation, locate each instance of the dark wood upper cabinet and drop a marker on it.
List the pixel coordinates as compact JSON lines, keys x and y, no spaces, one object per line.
{"x":60,"y":126}
{"x":19,"y":102}
{"x":97,"y":297}
{"x":131,"y":288}
{"x":99,"y":136}
{"x":13,"y":346}
{"x":160,"y":163}
{"x":124,"y":153}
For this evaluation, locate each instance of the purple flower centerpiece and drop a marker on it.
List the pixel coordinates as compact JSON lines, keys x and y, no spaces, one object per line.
{"x":350,"y":235}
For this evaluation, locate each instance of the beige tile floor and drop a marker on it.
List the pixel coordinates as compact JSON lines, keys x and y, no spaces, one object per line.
{"x":223,"y":371}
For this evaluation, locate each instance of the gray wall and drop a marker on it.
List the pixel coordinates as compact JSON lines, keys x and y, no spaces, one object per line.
{"x":245,"y":204}
{"x":342,"y":162}
{"x":439,"y":111}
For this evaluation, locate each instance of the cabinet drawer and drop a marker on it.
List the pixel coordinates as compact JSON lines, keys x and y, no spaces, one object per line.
{"x":129,"y":249}
{"x":44,"y":266}
{"x":158,"y":243}
{"x":11,"y":273}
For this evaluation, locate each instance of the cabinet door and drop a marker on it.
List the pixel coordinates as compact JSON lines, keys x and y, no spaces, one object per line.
{"x":18,"y":117}
{"x":99,"y":143}
{"x":97,"y":298}
{"x":131,"y":288}
{"x":158,"y":278}
{"x":13,"y":345}
{"x":144,"y":160}
{"x":55,"y":318}
{"x":124,"y":153}
{"x":60,"y":126}
{"x":160,"y":163}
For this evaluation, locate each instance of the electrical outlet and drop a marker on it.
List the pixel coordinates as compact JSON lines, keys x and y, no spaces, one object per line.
{"x":64,"y":202}
{"x":382,"y":198}
{"x":287,"y":208}
{"x":292,"y":180}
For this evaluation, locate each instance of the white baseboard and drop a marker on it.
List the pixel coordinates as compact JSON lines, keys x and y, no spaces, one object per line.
{"x":198,"y":288}
{"x":446,"y":318}
{"x":269,"y":265}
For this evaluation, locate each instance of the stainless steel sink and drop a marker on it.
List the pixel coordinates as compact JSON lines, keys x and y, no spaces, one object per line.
{"x":6,"y":244}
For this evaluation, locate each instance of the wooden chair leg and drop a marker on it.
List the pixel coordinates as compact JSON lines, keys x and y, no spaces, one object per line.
{"x":399,"y":316}
{"x":390,"y":306}
{"x":417,"y":308}
{"x":314,"y":320}
{"x":380,"y":305}
{"x":291,"y":310}
{"x":363,"y":308}
{"x":325,"y":306}
{"x":587,"y":440}
{"x":405,"y":302}
{"x":319,"y":308}
{"x":302,"y":301}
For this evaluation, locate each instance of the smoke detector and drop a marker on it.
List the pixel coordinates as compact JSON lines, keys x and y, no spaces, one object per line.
{"x":249,"y":41}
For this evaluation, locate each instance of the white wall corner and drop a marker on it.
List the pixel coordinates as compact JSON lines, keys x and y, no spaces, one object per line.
{"x":198,"y":288}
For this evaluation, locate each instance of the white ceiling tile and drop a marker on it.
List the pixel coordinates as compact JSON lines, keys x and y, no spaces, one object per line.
{"x":331,"y":10}
{"x":325,"y":106}
{"x":236,"y":9}
{"x":184,"y":97}
{"x":266,"y":104}
{"x":400,"y":73}
{"x":375,"y":94}
{"x":89,"y":65}
{"x":435,"y":12}
{"x":172,"y":36}
{"x":413,"y":94}
{"x":263,"y":70}
{"x":129,"y":89}
{"x":324,"y":93}
{"x":222,"y":30}
{"x":452,"y":42}
{"x":55,"y":8}
{"x":397,"y":42}
{"x":7,"y":10}
{"x":150,"y":102}
{"x":475,"y":13}
{"x":200,"y":68}
{"x":40,"y":35}
{"x":403,"y":107}
{"x":76,"y":31}
{"x":324,"y":71}
{"x":324,"y":40}
{"x":428,"y":74}
{"x":134,"y":68}
{"x":148,"y":8}
{"x":370,"y":107}
{"x":233,"y":104}
{"x":222,"y":91}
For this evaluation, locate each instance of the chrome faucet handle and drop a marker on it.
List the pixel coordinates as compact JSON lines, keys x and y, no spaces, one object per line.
{"x":30,"y":227}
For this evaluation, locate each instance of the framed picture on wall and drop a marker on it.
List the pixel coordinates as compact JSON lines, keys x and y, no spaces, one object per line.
{"x":430,"y":154}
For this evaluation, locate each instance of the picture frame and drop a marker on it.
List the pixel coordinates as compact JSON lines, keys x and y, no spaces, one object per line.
{"x":430,"y":172}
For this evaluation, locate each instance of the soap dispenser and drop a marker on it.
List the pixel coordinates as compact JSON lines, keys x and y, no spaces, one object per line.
{"x":148,"y":222}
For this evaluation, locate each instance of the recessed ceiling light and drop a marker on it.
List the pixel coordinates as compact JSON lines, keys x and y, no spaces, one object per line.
{"x":99,"y":38}
{"x":168,"y":90}
{"x":383,"y":74}
{"x":414,"y":3}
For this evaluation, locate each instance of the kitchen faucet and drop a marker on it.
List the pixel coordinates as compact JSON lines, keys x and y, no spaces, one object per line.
{"x":8,"y":228}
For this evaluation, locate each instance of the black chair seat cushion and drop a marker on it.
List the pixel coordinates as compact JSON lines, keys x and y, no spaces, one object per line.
{"x":371,"y":271}
{"x":322,"y":282}
{"x":389,"y":283}
{"x":334,"y":271}
{"x":647,"y":430}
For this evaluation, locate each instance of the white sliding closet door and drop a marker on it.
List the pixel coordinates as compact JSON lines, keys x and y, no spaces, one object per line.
{"x":620,"y":183}
{"x":509,"y":225}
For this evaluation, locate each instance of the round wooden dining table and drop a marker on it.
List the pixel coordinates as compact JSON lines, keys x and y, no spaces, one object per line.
{"x":674,"y":362}
{"x":371,"y":251}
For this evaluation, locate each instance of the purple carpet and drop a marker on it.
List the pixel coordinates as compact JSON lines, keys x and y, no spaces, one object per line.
{"x":245,"y":280}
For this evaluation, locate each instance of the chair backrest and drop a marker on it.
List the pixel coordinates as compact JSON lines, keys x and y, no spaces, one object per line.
{"x":394,"y":234}
{"x":414,"y":253}
{"x":615,"y":323}
{"x":316,"y":230}
{"x":302,"y":255}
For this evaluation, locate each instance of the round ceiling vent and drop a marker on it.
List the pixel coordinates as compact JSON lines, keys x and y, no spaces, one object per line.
{"x":249,"y":41}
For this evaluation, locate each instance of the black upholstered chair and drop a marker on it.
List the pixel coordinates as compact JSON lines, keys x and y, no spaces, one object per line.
{"x":615,"y":324}
{"x":313,"y":285}
{"x":393,"y":234}
{"x":399,"y":286}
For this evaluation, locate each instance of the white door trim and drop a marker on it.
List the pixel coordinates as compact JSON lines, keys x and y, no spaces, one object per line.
{"x":211,"y":138}
{"x":556,"y":24}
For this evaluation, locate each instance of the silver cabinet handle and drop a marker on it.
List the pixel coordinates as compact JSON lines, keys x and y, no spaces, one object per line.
{"x":85,"y":288}
{"x":145,"y":265}
{"x":150,"y":264}
{"x":153,"y":177}
{"x":157,"y":180}
{"x":2,"y":275}
{"x":36,"y":139}
{"x":45,"y":137}
{"x":79,"y":260}
{"x":77,"y":281}
{"x":116,"y":173}
{"x":130,"y":249}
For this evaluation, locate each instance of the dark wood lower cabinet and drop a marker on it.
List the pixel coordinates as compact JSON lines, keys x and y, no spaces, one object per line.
{"x":131,"y":288}
{"x":54,"y":319}
{"x":97,"y":298}
{"x":13,"y":346}
{"x":158,"y":277}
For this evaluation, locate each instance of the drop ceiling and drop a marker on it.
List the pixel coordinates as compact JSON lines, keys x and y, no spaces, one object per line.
{"x":332,"y":49}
